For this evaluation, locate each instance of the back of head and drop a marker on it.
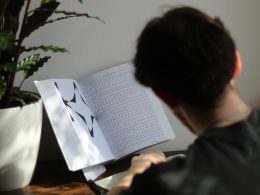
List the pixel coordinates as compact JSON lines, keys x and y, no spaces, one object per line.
{"x":187,"y":54}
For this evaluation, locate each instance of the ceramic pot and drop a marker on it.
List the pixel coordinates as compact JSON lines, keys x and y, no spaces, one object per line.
{"x":20,"y":132}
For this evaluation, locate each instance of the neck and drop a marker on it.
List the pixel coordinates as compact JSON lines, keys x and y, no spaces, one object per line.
{"x":229,"y":110}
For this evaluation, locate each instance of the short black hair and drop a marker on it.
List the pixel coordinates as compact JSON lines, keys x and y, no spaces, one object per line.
{"x":188,"y":54}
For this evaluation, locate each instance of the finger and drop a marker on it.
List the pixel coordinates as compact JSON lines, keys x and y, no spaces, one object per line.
{"x":157,"y":152}
{"x":134,"y":158}
{"x":153,"y":157}
{"x":158,"y":156}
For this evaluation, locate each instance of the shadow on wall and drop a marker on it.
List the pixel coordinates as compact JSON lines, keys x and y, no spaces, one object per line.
{"x":49,"y":148}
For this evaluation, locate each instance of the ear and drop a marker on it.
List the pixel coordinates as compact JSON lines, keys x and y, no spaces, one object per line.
{"x":168,"y":99}
{"x":238,"y":65}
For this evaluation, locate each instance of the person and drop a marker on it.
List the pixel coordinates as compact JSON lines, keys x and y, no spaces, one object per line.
{"x":190,"y":61}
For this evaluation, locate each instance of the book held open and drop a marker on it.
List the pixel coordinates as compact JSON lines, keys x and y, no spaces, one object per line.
{"x":103,"y":117}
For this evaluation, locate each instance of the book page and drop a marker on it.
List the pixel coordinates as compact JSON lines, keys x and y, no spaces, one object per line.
{"x":91,"y":173}
{"x":78,"y":134}
{"x":125,"y":110}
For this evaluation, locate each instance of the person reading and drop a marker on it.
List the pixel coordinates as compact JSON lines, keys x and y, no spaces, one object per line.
{"x":190,"y":61}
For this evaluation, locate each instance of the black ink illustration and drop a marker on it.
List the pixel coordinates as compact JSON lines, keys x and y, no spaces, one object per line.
{"x":78,"y":99}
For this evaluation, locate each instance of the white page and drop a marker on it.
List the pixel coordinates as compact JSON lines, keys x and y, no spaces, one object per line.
{"x":80,"y":138}
{"x":125,"y":110}
{"x":109,"y":182}
{"x":91,"y":173}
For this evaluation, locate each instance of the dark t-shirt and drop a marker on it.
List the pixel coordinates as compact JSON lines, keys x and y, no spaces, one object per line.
{"x":222,"y":161}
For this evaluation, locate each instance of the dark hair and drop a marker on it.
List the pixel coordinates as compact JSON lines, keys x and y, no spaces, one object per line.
{"x":187,"y":54}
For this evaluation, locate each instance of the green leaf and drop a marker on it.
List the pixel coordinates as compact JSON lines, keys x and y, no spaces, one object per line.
{"x":38,"y":18}
{"x":47,"y":1}
{"x":54,"y":49}
{"x":7,"y":50}
{"x":8,"y":66}
{"x":6,"y":40}
{"x":2,"y":87}
{"x":18,"y":100}
{"x":21,"y":98}
{"x":71,"y":15}
{"x":50,"y":48}
{"x":32,"y":95}
{"x":34,"y":68}
{"x":81,"y":1}
{"x":27,"y":62}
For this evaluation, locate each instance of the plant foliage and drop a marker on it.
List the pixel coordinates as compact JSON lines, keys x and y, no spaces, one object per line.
{"x":17,"y":21}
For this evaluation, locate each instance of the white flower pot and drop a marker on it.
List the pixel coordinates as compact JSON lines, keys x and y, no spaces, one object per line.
{"x":20,"y":132}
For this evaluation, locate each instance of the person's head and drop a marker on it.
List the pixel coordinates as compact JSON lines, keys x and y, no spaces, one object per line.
{"x":188,"y":55}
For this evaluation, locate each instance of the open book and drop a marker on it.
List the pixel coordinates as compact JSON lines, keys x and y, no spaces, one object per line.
{"x":103,"y":117}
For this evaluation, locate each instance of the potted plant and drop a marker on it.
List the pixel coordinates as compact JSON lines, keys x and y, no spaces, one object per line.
{"x":21,"y":111}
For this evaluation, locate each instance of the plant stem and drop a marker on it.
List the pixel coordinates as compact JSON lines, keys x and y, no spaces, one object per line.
{"x":20,"y":40}
{"x":3,"y":7}
{"x":21,"y":84}
{"x":10,"y":83}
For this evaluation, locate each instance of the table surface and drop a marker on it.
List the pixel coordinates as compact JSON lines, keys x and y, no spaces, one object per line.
{"x":54,"y":178}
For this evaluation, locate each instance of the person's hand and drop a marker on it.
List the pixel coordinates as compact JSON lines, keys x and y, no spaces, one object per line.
{"x":139,"y":164}
{"x":143,"y":161}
